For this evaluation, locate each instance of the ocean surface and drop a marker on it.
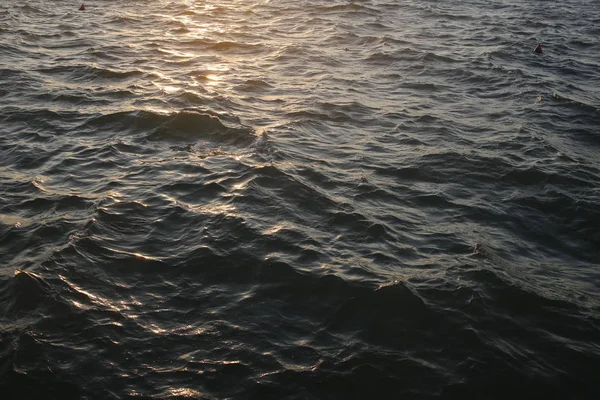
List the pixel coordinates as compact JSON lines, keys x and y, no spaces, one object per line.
{"x":299,"y":199}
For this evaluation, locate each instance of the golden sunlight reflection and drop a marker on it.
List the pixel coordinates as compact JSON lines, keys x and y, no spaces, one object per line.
{"x":118,"y":197}
{"x":39,"y":185}
{"x":241,"y":186}
{"x":185,"y":392}
{"x":213,"y":79}
{"x":115,"y":195}
{"x":133,"y":254}
{"x":211,"y":75}
{"x":206,"y":209}
{"x":276,"y":228}
{"x":97,"y":300}
{"x":177,"y":54}
{"x":218,"y":209}
{"x":170,"y":89}
{"x":164,"y":83}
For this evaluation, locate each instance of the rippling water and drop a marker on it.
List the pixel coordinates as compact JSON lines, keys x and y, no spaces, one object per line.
{"x":299,"y":199}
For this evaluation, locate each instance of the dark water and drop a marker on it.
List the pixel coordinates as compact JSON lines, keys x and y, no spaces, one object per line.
{"x":299,"y":199}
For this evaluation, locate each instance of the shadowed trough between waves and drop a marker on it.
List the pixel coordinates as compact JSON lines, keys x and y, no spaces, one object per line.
{"x":299,"y":199}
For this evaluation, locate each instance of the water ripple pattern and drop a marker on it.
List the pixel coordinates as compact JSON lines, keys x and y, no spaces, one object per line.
{"x":299,"y":199}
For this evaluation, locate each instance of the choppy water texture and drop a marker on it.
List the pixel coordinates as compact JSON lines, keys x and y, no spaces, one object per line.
{"x":299,"y":199}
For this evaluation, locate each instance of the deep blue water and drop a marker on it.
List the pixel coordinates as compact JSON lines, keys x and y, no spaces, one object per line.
{"x":299,"y":199}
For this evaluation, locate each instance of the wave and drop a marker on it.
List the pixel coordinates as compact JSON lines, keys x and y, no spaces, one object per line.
{"x":372,"y":198}
{"x":254,"y":85}
{"x":429,"y":56}
{"x":226,"y":46}
{"x":86,"y":72}
{"x":352,"y":7}
{"x":576,"y":104}
{"x":183,"y":126}
{"x":349,"y":330}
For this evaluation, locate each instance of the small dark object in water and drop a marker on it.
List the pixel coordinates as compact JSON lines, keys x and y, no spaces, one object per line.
{"x":538,"y":49}
{"x":82,"y":8}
